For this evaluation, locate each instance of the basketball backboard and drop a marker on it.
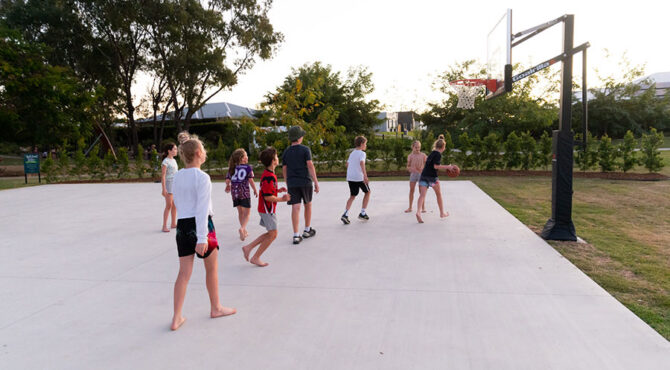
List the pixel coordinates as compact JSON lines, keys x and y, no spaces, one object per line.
{"x":499,"y":55}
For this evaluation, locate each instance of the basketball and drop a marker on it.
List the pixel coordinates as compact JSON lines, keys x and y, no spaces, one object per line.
{"x":454,"y":172}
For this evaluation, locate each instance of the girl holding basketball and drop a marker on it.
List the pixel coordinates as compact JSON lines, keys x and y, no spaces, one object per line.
{"x":429,"y":178}
{"x":240,"y":175}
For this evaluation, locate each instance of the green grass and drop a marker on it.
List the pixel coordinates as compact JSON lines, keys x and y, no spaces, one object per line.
{"x":626,"y":225}
{"x":18,"y":182}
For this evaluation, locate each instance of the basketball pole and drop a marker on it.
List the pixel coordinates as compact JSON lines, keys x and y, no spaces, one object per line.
{"x":560,"y":225}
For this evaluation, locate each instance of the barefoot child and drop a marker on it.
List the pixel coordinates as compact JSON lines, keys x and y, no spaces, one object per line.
{"x":415,"y":163}
{"x":429,"y":179}
{"x":168,"y":170}
{"x":195,"y":230}
{"x":267,"y":207}
{"x":241,"y":175}
{"x":357,"y":177}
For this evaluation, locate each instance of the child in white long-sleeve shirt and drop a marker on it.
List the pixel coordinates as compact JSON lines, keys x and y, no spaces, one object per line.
{"x":195,"y":230}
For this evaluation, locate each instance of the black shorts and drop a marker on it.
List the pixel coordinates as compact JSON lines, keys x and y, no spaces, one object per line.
{"x":300,"y":193}
{"x":354,"y":186}
{"x":246,"y":203}
{"x":187,"y":238}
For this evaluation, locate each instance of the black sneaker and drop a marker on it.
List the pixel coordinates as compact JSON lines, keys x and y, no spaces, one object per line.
{"x":297,"y":239}
{"x":363,"y":216}
{"x":309,"y":234}
{"x":345,"y":220}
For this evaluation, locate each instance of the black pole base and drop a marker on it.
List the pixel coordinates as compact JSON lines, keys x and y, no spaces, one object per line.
{"x":559,"y":231}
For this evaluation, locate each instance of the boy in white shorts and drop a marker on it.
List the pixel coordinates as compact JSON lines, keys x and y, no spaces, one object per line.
{"x":357,"y":177}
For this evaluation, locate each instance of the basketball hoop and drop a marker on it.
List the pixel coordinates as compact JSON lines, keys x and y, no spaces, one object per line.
{"x":467,"y":90}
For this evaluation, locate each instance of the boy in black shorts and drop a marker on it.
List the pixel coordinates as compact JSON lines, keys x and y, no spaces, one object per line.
{"x":357,"y":177}
{"x":299,"y":173}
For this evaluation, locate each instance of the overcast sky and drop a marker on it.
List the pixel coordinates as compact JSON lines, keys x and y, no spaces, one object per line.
{"x":405,"y":44}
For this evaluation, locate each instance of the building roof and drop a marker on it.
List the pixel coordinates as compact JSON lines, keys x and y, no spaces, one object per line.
{"x":215,"y":111}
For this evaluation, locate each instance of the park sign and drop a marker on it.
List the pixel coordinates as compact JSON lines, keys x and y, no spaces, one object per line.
{"x":31,"y":164}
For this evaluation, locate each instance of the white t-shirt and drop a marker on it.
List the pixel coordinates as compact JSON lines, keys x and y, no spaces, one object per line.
{"x":354,"y":170}
{"x":192,"y":190}
{"x":171,"y":167}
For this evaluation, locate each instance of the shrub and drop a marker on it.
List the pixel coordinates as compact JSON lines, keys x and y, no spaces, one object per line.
{"x":527,"y":147}
{"x":400,"y":153}
{"x":626,"y":151}
{"x":220,"y":156}
{"x":448,"y":155}
{"x":48,"y":168}
{"x":544,"y":151}
{"x":464,"y":156}
{"x":109,"y":162}
{"x":587,"y":156}
{"x":94,"y":163}
{"x":154,"y":163}
{"x":79,"y":159}
{"x":491,"y":147}
{"x":123,"y":162}
{"x":476,"y":152}
{"x":64,"y":161}
{"x":140,"y":168}
{"x":512,"y":156}
{"x":651,"y":157}
{"x":606,"y":154}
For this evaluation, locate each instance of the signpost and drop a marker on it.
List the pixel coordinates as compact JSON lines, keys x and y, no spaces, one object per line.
{"x":31,"y":164}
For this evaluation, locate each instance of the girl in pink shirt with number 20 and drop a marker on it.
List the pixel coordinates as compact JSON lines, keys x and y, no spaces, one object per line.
{"x":415,"y":162}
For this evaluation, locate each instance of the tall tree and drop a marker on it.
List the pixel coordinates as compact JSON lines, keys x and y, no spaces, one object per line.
{"x":39,"y":104}
{"x":346,"y":96}
{"x":202,"y":51}
{"x":120,"y":37}
{"x":530,"y":106}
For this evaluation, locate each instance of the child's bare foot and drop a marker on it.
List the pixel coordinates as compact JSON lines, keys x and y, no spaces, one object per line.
{"x":258,"y":262}
{"x":418,"y":218}
{"x":177,"y":322}
{"x":165,"y":229}
{"x":246,"y":250}
{"x":408,"y":210}
{"x":246,"y":233}
{"x":222,"y":311}
{"x":241,"y":231}
{"x":173,"y":226}
{"x":423,"y":210}
{"x":445,"y":214}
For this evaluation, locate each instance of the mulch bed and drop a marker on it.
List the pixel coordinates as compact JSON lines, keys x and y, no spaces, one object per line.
{"x":470,"y":173}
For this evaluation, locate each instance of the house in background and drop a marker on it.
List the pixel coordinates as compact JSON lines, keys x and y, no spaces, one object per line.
{"x":398,"y":121}
{"x":661,"y":79}
{"x":213,"y":112}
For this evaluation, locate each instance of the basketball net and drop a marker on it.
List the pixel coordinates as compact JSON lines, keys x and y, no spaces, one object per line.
{"x":467,"y":91}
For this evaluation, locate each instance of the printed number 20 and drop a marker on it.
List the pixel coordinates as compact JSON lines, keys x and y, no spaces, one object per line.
{"x":240,"y":174}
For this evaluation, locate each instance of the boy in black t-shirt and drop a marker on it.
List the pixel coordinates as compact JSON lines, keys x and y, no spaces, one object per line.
{"x":299,"y":173}
{"x":429,"y":179}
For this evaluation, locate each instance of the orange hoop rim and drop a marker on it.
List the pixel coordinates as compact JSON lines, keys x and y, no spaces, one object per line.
{"x":491,"y":85}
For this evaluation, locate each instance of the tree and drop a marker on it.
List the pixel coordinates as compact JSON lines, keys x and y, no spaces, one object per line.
{"x":587,"y":156}
{"x":491,"y":149}
{"x":512,"y":156}
{"x":544,"y":151}
{"x":464,"y":157}
{"x":39,"y":103}
{"x":530,"y":106}
{"x":202,"y":51}
{"x":651,"y":157}
{"x":620,"y":104}
{"x":344,"y":96}
{"x":606,"y":154}
{"x":122,"y":40}
{"x":528,"y":150}
{"x":626,"y":151}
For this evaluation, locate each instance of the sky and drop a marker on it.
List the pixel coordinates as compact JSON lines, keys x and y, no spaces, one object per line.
{"x":406,"y":44}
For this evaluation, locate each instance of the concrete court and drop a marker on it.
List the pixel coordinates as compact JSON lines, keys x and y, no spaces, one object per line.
{"x":86,"y":281}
